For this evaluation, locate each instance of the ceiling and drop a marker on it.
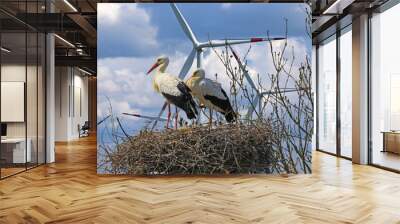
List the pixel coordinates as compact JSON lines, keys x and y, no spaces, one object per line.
{"x":74,"y":23}
{"x":330,"y":15}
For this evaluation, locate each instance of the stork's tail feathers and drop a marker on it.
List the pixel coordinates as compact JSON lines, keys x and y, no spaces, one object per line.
{"x":191,"y":111}
{"x":190,"y":114}
{"x":189,"y":106}
{"x":193,"y":106}
{"x":230,"y":116}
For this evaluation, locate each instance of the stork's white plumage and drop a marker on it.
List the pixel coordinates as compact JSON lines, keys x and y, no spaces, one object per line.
{"x":173,"y":90}
{"x":211,"y":94}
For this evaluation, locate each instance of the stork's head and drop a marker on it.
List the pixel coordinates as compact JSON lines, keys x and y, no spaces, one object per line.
{"x":161,"y":61}
{"x":199,"y":73}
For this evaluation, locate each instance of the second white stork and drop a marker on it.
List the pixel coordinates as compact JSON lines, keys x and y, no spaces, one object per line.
{"x":211,"y":94}
{"x":173,"y":89}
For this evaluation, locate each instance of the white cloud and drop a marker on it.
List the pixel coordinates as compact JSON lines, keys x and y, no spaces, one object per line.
{"x":108,"y":12}
{"x":124,"y":80}
{"x":126,"y":26}
{"x":261,"y":53}
{"x":118,"y":107}
{"x":226,"y":5}
{"x":259,"y":60}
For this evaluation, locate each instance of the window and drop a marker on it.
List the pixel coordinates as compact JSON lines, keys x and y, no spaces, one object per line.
{"x":385,"y":89}
{"x":327,"y":95}
{"x":346,"y":92}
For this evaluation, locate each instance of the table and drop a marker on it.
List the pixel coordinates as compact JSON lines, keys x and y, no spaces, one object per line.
{"x":391,"y":141}
{"x":15,"y":148}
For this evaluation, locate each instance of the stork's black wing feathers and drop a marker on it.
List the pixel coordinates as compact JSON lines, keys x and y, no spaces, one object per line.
{"x":224,"y":104}
{"x":183,"y":88}
{"x":184,"y":100}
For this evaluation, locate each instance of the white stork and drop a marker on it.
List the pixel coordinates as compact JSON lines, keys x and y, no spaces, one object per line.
{"x":211,"y":95}
{"x":173,"y":89}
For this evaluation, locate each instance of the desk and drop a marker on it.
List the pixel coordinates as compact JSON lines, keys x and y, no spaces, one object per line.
{"x":391,"y":141}
{"x":16,"y":147}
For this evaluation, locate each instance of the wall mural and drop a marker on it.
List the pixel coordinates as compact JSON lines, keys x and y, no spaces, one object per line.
{"x":204,"y":88}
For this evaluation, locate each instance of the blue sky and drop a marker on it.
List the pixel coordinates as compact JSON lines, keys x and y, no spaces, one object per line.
{"x":131,"y":36}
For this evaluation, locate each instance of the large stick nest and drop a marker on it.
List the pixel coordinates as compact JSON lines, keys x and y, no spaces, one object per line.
{"x":198,"y":150}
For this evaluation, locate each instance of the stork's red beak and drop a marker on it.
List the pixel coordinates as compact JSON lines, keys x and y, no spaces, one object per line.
{"x":152,"y":68}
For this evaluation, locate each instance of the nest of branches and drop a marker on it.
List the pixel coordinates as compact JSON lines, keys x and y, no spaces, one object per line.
{"x":223,"y":149}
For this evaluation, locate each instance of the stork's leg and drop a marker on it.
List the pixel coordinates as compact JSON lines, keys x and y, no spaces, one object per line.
{"x":176,"y":118}
{"x":169,"y":115}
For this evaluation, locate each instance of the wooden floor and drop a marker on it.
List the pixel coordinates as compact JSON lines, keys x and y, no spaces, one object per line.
{"x":69,"y":191}
{"x":10,"y":171}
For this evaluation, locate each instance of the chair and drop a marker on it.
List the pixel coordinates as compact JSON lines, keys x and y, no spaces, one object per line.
{"x":84,"y":130}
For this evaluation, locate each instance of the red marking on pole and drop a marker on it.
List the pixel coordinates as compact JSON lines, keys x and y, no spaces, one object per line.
{"x":256,"y":39}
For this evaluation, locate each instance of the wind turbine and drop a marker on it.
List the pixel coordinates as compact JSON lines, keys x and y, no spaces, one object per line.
{"x":199,"y":47}
{"x":259,"y":94}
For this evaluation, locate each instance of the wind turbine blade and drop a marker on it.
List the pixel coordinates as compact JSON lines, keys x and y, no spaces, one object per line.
{"x":245,"y":72}
{"x":250,"y":110}
{"x":250,"y":81}
{"x":146,"y":117}
{"x":98,"y":123}
{"x":182,"y":21}
{"x":188,"y":64}
{"x":220,"y":43}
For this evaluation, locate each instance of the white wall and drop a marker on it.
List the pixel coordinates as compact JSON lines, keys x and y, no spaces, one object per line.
{"x":17,"y":73}
{"x":62,"y":81}
{"x":70,"y":83}
{"x":33,"y":126}
{"x":14,"y":72}
{"x":80,"y":109}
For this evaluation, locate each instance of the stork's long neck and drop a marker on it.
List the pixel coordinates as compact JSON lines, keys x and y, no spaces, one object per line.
{"x":193,"y":83}
{"x":162,"y":68}
{"x":159,"y":71}
{"x":197,"y":79}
